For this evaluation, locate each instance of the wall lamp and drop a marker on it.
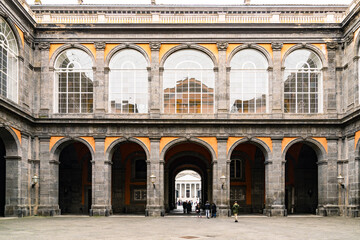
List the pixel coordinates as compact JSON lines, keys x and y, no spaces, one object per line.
{"x":222,"y":180}
{"x":35,"y":180}
{"x":341,"y":180}
{"x":152,"y":179}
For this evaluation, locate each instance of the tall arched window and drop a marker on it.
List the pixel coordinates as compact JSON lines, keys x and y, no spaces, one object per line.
{"x":302,"y":82}
{"x":248,"y":82}
{"x":128,"y":85}
{"x":8,"y":62}
{"x":73,"y":82}
{"x":188,"y":83}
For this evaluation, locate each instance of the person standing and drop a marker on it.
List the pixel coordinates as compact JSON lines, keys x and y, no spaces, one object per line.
{"x":235,"y":209}
{"x":198,"y":210}
{"x":207,"y":209}
{"x":213,"y":210}
{"x":189,"y":207}
{"x":184,"y":206}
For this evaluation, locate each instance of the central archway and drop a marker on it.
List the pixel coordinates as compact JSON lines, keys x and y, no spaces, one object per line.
{"x":187,"y":156}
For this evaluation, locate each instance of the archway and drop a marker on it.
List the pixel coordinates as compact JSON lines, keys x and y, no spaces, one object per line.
{"x":128,"y":183}
{"x":187,"y":189}
{"x":75,"y":179}
{"x":301,"y":179}
{"x":187,"y":156}
{"x":247,"y":178}
{"x":2,"y":178}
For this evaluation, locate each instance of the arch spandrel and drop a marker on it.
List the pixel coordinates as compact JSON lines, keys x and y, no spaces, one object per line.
{"x":54,"y":140}
{"x":11,"y":141}
{"x":91,"y":141}
{"x":322,"y":141}
{"x":286,"y":141}
{"x":212,"y":47}
{"x":164,"y":48}
{"x":314,"y":144}
{"x":17,"y":133}
{"x":146,"y":48}
{"x":357,"y":138}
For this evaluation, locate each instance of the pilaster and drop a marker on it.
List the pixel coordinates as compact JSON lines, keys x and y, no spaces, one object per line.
{"x":154,"y":84}
{"x":100,"y":93}
{"x":222,"y":89}
{"x":221,"y":169}
{"x":46,"y":81}
{"x":277,"y":81}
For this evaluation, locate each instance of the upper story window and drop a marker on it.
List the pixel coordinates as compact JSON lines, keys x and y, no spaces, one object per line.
{"x":248,"y":82}
{"x":8,"y":62}
{"x":73,"y":82}
{"x":302,"y":82}
{"x":128,"y":84}
{"x":188,"y":83}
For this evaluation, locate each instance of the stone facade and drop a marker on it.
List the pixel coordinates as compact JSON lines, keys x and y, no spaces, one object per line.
{"x":34,"y":136}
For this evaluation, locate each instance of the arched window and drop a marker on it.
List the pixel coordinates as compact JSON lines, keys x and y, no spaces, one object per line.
{"x":128,"y":85}
{"x":8,"y":62}
{"x":302,"y":82}
{"x":248,"y":82}
{"x":73,"y":82}
{"x":188,"y":83}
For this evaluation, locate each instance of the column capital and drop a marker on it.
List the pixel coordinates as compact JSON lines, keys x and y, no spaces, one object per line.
{"x":276,"y":46}
{"x":155,"y":46}
{"x":332,"y":45}
{"x":222,"y":46}
{"x":44,"y":46}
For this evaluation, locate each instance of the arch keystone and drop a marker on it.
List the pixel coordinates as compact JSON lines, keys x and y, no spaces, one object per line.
{"x":322,"y":141}
{"x":54,"y":140}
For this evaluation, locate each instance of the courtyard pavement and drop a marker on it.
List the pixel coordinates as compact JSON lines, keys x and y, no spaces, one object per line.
{"x":257,"y":227}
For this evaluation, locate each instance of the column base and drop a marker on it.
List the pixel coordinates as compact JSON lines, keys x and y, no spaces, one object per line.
{"x":44,"y":210}
{"x":101,"y":210}
{"x":154,"y":211}
{"x":16,"y":211}
{"x":328,"y":210}
{"x":223,"y":211}
{"x":275,"y":211}
{"x":353,"y":211}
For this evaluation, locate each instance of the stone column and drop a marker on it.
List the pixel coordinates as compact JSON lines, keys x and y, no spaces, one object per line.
{"x":155,"y":192}
{"x":221,"y":83}
{"x":13,"y":187}
{"x":100,"y":93}
{"x":352,"y":182}
{"x":46,"y":81}
{"x":221,"y":167}
{"x":275,"y":182}
{"x":49,"y":180}
{"x":277,"y":81}
{"x":329,"y":80}
{"x":101,"y":181}
{"x":154,"y":85}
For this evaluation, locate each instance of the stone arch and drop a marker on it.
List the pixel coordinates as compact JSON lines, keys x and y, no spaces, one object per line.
{"x":309,"y":47}
{"x":257,"y":47}
{"x":112,"y":147}
{"x":178,"y":141}
{"x":65,"y":47}
{"x":11,"y":24}
{"x":64,"y":142}
{"x":315,"y":145}
{"x":357,"y":149}
{"x":257,"y":142}
{"x":123,"y":47}
{"x":11,"y":141}
{"x":188,"y":46}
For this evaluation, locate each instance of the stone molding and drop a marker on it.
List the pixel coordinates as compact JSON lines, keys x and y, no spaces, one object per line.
{"x":54,"y":162}
{"x":3,"y":14}
{"x":276,"y":46}
{"x":155,"y":46}
{"x":332,"y":45}
{"x":100,"y":46}
{"x":34,"y":161}
{"x":44,"y":46}
{"x":28,"y":38}
{"x":349,"y":38}
{"x":14,"y":158}
{"x":222,"y":46}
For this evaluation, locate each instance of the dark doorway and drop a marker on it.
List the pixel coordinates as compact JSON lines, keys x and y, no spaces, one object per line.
{"x":2,"y":178}
{"x":75,"y":177}
{"x":301,"y":179}
{"x":128,"y":183}
{"x":247,"y":178}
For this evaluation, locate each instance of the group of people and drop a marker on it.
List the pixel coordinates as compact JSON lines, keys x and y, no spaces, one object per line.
{"x":187,"y":206}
